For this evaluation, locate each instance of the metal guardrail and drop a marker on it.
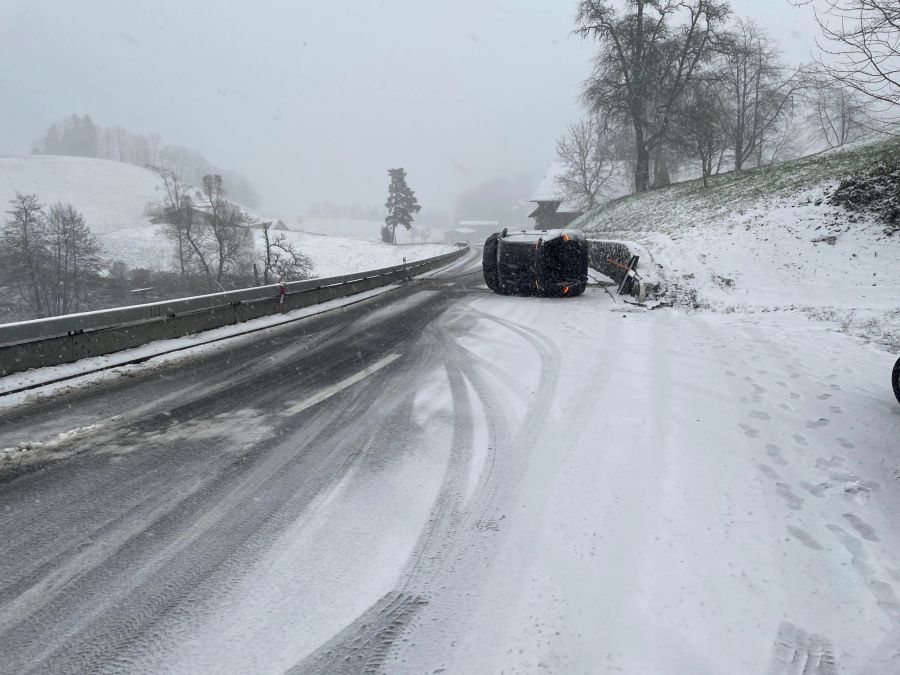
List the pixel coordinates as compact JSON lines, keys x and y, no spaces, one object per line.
{"x":30,"y":344}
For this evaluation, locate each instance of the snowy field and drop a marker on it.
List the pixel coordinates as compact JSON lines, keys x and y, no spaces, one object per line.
{"x":113,"y":197}
{"x":146,"y":247}
{"x":750,"y":245}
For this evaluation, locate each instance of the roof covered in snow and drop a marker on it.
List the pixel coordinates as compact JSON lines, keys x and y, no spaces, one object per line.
{"x":549,"y":190}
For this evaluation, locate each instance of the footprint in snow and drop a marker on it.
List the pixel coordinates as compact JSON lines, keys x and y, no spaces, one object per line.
{"x":819,"y":423}
{"x":865,"y":530}
{"x":844,"y":443}
{"x":800,"y":440}
{"x":768,"y":471}
{"x":750,"y":431}
{"x":760,"y":415}
{"x":775,"y":453}
{"x":815,"y":490}
{"x":805,"y":538}
{"x":786,"y":492}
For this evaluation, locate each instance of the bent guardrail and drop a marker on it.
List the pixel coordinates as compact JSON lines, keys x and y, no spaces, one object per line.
{"x":65,"y":339}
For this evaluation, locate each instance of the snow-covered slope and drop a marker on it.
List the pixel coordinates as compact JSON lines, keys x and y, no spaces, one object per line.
{"x":763,"y":242}
{"x":110,"y":195}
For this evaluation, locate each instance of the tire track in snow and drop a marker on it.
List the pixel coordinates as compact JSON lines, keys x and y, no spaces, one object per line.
{"x":800,"y":653}
{"x":182,"y":557}
{"x":462,"y":528}
{"x":481,"y":529}
{"x":363,"y":646}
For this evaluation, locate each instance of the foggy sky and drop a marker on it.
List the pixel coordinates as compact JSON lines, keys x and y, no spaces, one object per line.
{"x":315,"y":99}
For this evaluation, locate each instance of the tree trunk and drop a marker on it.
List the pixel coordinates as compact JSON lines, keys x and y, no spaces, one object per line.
{"x":738,"y":151}
{"x":661,"y":177}
{"x":642,"y":166}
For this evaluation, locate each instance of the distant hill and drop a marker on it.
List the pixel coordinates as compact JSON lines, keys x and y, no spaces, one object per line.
{"x":111,"y":195}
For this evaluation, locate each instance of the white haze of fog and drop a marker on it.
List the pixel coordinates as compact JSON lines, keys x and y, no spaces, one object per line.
{"x":314,"y":99}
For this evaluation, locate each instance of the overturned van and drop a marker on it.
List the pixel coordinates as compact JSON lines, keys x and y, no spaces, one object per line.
{"x":536,"y":262}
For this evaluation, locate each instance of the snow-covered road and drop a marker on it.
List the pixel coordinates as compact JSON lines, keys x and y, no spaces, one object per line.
{"x":444,"y":480}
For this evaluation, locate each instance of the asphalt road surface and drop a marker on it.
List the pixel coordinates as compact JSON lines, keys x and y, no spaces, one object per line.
{"x":440,"y":479}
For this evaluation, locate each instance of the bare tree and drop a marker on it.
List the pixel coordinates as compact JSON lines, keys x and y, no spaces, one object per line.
{"x":586,"y":153}
{"x":49,"y":256}
{"x":864,"y":50}
{"x":701,"y":125}
{"x":24,"y":250}
{"x":645,"y":62}
{"x":231,"y":241}
{"x":73,"y":255}
{"x":210,"y":234}
{"x":282,"y":261}
{"x":760,"y":90}
{"x":781,"y":141}
{"x":176,"y":210}
{"x":835,"y":112}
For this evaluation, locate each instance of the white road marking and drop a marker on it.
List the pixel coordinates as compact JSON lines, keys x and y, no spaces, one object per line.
{"x":328,"y":392}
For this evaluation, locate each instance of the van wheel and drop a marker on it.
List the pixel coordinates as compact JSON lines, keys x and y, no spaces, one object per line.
{"x":895,"y":380}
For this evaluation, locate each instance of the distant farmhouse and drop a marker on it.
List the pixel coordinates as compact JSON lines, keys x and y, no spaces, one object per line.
{"x":273,"y":223}
{"x":555,"y":211}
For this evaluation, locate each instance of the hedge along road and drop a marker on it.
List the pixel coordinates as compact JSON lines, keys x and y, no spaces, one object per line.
{"x":441,"y":478}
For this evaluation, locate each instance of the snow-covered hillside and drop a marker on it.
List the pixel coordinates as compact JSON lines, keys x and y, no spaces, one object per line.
{"x":110,"y":195}
{"x":769,"y":241}
{"x":113,"y":197}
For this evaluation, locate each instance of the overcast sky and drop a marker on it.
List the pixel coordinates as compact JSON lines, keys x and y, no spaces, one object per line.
{"x":314,"y":99}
